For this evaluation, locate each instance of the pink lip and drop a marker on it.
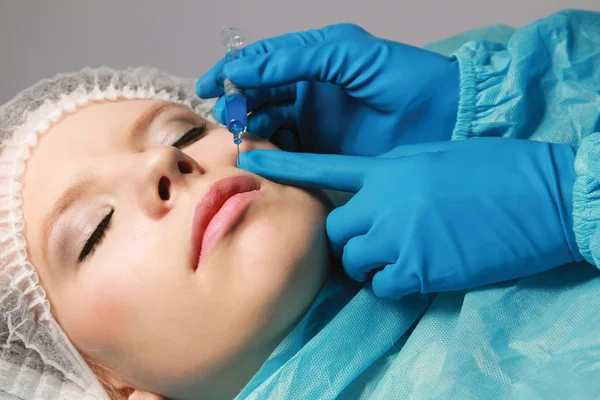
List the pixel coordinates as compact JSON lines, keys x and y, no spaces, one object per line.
{"x":218,"y":210}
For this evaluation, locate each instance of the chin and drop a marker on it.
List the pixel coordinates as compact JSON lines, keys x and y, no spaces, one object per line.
{"x":288,"y":274}
{"x":291,"y":251}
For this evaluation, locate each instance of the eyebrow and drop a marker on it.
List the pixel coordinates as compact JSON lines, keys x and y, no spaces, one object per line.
{"x":82,"y":184}
{"x":141,"y":125}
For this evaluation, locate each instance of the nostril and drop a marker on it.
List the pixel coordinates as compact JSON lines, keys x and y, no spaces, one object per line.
{"x":163,"y":188}
{"x":184,"y":167}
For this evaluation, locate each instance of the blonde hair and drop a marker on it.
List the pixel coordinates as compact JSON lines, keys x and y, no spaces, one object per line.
{"x":104,"y":375}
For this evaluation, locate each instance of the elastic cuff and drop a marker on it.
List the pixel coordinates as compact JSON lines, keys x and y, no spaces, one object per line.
{"x":586,"y":198}
{"x":468,"y":96}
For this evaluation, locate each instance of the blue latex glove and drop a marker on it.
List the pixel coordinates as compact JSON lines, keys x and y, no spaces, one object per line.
{"x":341,"y":90}
{"x":442,"y":216}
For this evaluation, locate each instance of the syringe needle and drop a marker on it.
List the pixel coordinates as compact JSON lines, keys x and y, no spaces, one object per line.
{"x":238,"y":156}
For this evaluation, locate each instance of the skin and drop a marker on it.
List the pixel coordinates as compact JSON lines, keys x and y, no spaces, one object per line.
{"x":136,"y":304}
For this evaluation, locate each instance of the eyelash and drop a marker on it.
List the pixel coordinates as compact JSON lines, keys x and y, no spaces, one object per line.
{"x":96,"y":237}
{"x":188,"y":138}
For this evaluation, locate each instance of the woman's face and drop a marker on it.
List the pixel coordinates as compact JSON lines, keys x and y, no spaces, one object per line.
{"x":115,"y":220}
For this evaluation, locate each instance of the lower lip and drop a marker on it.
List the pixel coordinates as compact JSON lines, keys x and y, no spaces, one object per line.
{"x":224,"y":220}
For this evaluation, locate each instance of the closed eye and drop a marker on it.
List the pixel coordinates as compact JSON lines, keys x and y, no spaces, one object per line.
{"x":96,"y":237}
{"x":191,"y":136}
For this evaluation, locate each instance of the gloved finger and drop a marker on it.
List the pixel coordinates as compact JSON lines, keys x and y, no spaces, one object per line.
{"x":211,"y":84}
{"x":415,"y":149}
{"x":325,"y":62}
{"x":286,"y":140}
{"x":346,"y":222}
{"x":267,"y":120}
{"x":219,"y":110}
{"x":395,"y":281}
{"x":285,"y":41}
{"x":358,"y":259}
{"x":257,"y":98}
{"x":324,"y":171}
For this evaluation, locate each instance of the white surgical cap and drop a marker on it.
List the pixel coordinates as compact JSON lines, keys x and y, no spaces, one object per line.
{"x":37,"y":359}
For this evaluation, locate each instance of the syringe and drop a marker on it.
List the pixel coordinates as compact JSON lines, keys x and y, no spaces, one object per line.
{"x":235,"y":102}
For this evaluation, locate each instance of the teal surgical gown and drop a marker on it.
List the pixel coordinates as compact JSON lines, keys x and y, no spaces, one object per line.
{"x":533,"y":338}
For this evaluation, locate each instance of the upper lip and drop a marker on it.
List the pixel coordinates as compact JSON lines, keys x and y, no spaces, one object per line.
{"x":209,"y":205}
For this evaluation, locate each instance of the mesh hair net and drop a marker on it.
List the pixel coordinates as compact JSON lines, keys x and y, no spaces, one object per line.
{"x":37,"y":360}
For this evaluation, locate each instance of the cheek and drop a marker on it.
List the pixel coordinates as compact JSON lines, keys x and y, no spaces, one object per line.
{"x":218,"y":147}
{"x":255,"y":143}
{"x":98,"y":308}
{"x":117,"y":292}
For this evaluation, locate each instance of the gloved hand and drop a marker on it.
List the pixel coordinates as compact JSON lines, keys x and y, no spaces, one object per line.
{"x":341,"y":90}
{"x":442,"y":216}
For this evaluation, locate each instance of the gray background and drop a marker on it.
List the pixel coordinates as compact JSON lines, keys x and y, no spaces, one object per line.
{"x":39,"y":38}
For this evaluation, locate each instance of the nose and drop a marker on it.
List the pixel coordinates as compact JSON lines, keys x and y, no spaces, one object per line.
{"x":157,"y":176}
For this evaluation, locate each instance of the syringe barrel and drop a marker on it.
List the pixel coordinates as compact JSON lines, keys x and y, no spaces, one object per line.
{"x":235,"y":102}
{"x":233,"y":40}
{"x":235,"y":109}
